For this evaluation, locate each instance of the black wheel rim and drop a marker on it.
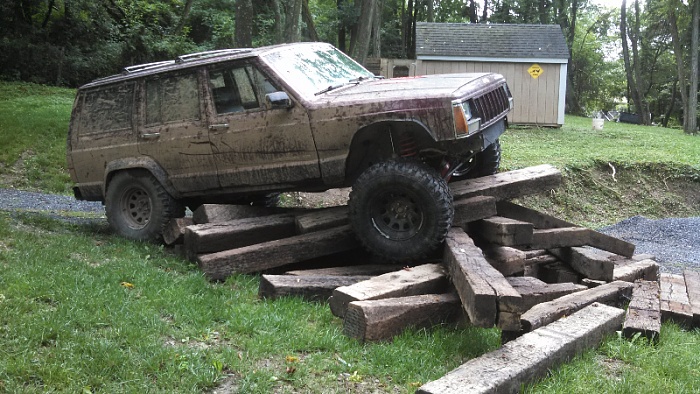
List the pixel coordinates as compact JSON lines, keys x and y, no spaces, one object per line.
{"x":135,"y":206}
{"x":396,"y":215}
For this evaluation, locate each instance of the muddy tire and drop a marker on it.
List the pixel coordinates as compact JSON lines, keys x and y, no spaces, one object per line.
{"x":400,"y":210}
{"x":138,"y":207}
{"x":487,"y":162}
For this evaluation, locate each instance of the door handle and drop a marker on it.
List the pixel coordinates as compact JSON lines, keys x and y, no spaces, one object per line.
{"x":221,"y":126}
{"x":150,"y":136}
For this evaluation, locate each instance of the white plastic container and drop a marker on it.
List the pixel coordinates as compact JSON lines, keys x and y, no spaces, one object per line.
{"x":598,"y":124}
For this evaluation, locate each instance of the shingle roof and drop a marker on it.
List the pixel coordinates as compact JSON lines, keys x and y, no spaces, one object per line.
{"x":490,"y":40}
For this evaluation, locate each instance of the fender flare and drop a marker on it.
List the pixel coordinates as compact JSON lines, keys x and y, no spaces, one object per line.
{"x":144,"y":163}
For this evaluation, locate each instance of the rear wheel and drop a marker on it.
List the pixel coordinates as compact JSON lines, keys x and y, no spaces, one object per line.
{"x":138,"y":207}
{"x":400,"y":210}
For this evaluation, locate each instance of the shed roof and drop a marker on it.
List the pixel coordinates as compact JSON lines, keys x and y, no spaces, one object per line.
{"x":476,"y":40}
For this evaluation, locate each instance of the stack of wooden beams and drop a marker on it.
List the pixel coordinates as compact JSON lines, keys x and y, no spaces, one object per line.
{"x":503,"y":265}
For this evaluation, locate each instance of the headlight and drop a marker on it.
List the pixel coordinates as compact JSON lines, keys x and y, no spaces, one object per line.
{"x":465,"y":123}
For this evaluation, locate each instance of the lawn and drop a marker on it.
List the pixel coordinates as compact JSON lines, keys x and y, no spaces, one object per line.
{"x":84,"y":311}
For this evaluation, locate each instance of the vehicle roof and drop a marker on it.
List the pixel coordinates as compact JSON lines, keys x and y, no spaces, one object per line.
{"x":191,"y":60}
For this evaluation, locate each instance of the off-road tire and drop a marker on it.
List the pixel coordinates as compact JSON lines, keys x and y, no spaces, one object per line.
{"x":487,"y":162}
{"x":400,"y":210}
{"x":138,"y":207}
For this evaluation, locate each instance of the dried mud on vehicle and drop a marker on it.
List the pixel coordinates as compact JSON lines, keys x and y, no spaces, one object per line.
{"x":240,"y":126}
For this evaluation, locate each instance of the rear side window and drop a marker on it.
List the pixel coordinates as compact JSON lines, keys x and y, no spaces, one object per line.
{"x":108,"y":109}
{"x":172,"y":98}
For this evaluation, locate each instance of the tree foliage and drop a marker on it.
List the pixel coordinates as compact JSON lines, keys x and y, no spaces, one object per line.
{"x":69,"y":42}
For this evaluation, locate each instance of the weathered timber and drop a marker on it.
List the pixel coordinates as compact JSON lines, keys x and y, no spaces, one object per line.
{"x":316,"y":288}
{"x":504,"y":231}
{"x":557,"y":272}
{"x":483,"y":290}
{"x":540,"y":258}
{"x":590,"y":283}
{"x":538,"y":219}
{"x":509,"y":185}
{"x":472,"y":209}
{"x":213,"y":213}
{"x":375,"y":320}
{"x":589,"y":262}
{"x":174,"y":232}
{"x":547,"y":312}
{"x":692,"y":285}
{"x":423,"y":279}
{"x":674,"y":302}
{"x":266,"y":255}
{"x":529,"y":254}
{"x":215,"y":237}
{"x":463,"y":261}
{"x":544,"y":221}
{"x":322,"y":219}
{"x":506,"y":260}
{"x":551,"y":238}
{"x":643,"y":313}
{"x":629,"y":271}
{"x":348,"y":270}
{"x":530,"y":356}
{"x":534,"y":291}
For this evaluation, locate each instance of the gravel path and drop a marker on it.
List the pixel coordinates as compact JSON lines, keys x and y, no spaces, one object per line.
{"x":675,"y":242}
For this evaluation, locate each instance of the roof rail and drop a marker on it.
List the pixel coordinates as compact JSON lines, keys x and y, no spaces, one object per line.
{"x":147,"y":66}
{"x":202,"y":55}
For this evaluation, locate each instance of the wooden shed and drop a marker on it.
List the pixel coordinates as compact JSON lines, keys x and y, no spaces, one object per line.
{"x":533,"y":58}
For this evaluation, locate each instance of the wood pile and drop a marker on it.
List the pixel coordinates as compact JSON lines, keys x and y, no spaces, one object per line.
{"x":503,"y":265}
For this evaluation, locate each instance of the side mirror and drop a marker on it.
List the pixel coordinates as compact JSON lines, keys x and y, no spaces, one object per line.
{"x":278,"y":100}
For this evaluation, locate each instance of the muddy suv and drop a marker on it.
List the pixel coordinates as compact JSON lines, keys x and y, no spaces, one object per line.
{"x":233,"y":126}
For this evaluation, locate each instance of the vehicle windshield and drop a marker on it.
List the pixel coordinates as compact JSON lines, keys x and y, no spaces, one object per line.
{"x":316,"y":69}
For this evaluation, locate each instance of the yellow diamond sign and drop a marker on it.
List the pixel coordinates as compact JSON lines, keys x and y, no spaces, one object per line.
{"x":535,"y":71}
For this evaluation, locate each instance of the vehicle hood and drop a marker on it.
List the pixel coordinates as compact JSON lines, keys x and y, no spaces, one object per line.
{"x":440,"y":86}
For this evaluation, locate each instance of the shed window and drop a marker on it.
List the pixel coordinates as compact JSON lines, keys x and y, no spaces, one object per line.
{"x":400,"y":71}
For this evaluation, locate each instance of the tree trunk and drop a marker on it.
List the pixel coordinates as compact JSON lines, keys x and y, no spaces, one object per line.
{"x":244,"y":24}
{"x":485,"y":13}
{"x":185,"y":15}
{"x":308,"y":19}
{"x":408,"y":29}
{"x":693,"y":96}
{"x":640,"y":102}
{"x":678,"y":52}
{"x":279,"y":28}
{"x":291,"y":21}
{"x":364,"y":30}
{"x":341,"y":28}
{"x":472,"y":11}
{"x":671,"y":104}
{"x":629,"y":71}
{"x":376,"y":30}
{"x":431,"y":11}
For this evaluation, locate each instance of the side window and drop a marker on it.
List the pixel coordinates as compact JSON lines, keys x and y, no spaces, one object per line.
{"x":172,"y":98}
{"x":107,"y":109}
{"x":233,"y":89}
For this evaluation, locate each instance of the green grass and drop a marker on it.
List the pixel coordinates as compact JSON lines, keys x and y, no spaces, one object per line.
{"x":70,"y":321}
{"x":33,"y":129}
{"x":576,"y":145}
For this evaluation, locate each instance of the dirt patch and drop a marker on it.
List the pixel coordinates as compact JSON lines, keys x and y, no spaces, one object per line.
{"x":611,"y":367}
{"x":329,"y":198}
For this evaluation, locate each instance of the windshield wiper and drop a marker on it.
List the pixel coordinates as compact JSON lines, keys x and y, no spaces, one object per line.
{"x":354,"y":81}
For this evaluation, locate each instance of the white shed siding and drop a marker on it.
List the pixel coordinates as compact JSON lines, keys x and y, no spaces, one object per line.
{"x":537,"y":101}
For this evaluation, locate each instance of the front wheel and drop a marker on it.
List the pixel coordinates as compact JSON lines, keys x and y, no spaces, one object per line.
{"x":138,"y":207}
{"x":400,"y":210}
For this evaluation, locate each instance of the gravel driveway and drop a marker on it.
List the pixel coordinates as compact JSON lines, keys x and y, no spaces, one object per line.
{"x":675,"y":242}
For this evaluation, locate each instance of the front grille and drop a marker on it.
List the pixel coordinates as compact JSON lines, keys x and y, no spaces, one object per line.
{"x":491,"y":106}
